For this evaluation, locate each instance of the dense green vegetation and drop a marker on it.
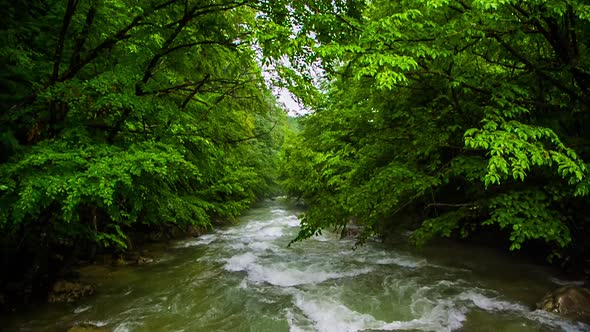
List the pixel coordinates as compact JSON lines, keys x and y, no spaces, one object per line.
{"x":123,"y":115}
{"x":451,"y":117}
{"x":466,"y":116}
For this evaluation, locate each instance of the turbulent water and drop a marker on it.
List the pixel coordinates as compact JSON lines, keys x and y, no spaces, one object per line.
{"x":244,"y":278}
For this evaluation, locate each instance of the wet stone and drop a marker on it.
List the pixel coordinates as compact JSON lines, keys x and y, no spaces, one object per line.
{"x":144,"y":260}
{"x":68,"y":291}
{"x":568,"y":301}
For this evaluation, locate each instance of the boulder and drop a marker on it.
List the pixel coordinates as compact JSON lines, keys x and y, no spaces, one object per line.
{"x":568,"y":301}
{"x":68,"y":291}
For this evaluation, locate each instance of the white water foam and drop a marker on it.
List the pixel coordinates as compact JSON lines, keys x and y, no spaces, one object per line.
{"x":99,"y":323}
{"x":444,"y":316}
{"x":329,"y":315}
{"x":269,"y":233}
{"x":240,"y":262}
{"x":540,"y":316}
{"x":291,"y":221}
{"x":81,"y":309}
{"x":237,"y":246}
{"x":284,"y":276}
{"x":399,"y":261}
{"x":563,"y":282}
{"x":435,"y":306}
{"x":201,"y":240}
{"x":279,"y":212}
{"x":243,"y":284}
{"x":293,"y":322}
{"x":327,"y":236}
{"x":490,"y":304}
{"x":547,"y":318}
{"x":255,"y":231}
{"x":127,"y":327}
{"x":262,"y":246}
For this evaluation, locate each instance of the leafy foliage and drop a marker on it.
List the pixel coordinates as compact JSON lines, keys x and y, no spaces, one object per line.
{"x":119,"y":113}
{"x":463,"y":114}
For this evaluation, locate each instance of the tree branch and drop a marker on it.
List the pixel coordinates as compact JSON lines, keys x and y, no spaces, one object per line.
{"x":111,"y":42}
{"x":195,"y":91}
{"x":222,"y":97}
{"x":59,"y":48}
{"x":251,"y":137}
{"x":534,"y":68}
{"x":188,"y":16}
{"x":75,"y":59}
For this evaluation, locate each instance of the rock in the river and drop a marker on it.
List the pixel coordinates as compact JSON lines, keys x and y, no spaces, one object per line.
{"x":87,"y":328}
{"x":131,"y":258}
{"x":138,"y":258}
{"x":144,"y":260}
{"x":68,"y":291}
{"x":119,"y":260}
{"x":568,"y":301}
{"x":194,"y":231}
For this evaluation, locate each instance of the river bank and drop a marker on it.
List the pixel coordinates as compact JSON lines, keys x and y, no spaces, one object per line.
{"x":34,"y":273}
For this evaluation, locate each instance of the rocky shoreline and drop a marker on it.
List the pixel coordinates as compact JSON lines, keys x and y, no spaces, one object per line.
{"x":55,"y":275}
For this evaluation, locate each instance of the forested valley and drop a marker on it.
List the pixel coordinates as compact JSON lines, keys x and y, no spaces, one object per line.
{"x":125,"y":119}
{"x":126,"y":115}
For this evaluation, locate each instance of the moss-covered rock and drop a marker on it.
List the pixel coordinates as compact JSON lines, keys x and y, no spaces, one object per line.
{"x":68,"y":291}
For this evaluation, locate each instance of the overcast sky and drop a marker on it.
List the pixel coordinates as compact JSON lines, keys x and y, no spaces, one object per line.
{"x":286,"y":99}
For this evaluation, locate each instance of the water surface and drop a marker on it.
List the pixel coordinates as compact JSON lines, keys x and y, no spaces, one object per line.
{"x":244,"y":278}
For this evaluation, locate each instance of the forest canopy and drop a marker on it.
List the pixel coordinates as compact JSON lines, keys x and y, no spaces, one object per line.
{"x":463,"y":116}
{"x":445,"y":117}
{"x":120,"y":115}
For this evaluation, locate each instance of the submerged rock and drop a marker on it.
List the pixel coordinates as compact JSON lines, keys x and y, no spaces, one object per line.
{"x":144,"y":260}
{"x":68,"y":291}
{"x":119,"y":260}
{"x":568,"y":301}
{"x":131,"y":258}
{"x":138,"y":258}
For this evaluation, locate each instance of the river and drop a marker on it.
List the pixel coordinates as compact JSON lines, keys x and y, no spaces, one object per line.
{"x":244,"y":278}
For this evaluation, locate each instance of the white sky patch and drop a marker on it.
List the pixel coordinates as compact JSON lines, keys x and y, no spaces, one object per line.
{"x":285,"y":98}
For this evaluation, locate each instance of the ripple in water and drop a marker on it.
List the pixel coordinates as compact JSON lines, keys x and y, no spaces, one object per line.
{"x":245,"y":277}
